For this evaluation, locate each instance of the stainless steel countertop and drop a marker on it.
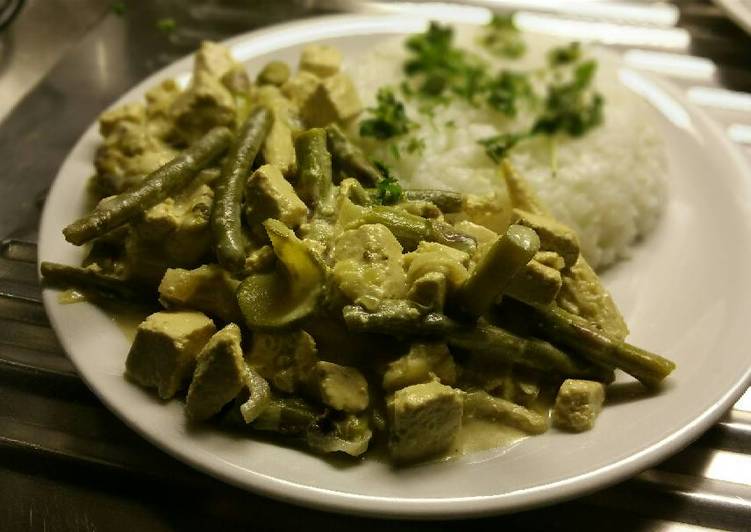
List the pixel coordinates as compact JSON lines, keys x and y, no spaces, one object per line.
{"x":66,"y":463}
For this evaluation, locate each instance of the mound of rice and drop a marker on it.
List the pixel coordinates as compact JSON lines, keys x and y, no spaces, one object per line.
{"x":608,"y":185}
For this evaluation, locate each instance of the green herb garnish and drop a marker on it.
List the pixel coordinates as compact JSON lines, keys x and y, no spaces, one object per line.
{"x":571,"y":107}
{"x":388,"y":190}
{"x":506,"y":90}
{"x":415,"y":145}
{"x":166,"y":25}
{"x":503,"y":38}
{"x":439,"y":67}
{"x":564,"y":55}
{"x":389,"y":117}
{"x":498,"y":146}
{"x":436,"y":70}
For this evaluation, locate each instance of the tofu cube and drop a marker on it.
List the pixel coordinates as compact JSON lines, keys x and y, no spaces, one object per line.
{"x":554,"y":236}
{"x":424,"y":363}
{"x":274,"y":73}
{"x":278,"y":148}
{"x":214,"y":59}
{"x":321,"y":60}
{"x":578,"y":404}
{"x":219,"y":376}
{"x":300,"y":87}
{"x":550,"y":259}
{"x":208,"y":288}
{"x":134,"y":113}
{"x":535,"y":283}
{"x":286,"y":360}
{"x":180,"y":225}
{"x":206,"y":103}
{"x":340,"y":387}
{"x":164,"y":351}
{"x":429,"y":291}
{"x":424,"y":420}
{"x":334,"y":100}
{"x":269,"y":195}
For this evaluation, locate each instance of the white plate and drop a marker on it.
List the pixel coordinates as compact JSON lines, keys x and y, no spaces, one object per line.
{"x":739,"y":11}
{"x":685,"y":293}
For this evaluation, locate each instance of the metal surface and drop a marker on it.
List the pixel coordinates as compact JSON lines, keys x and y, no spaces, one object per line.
{"x":66,"y":463}
{"x":32,"y":44}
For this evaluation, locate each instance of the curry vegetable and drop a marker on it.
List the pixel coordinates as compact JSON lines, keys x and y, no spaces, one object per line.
{"x":307,"y":294}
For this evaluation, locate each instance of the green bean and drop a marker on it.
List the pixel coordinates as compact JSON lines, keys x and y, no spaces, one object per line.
{"x":226,"y":213}
{"x":350,"y":159}
{"x":554,"y":236}
{"x":498,"y":344}
{"x":495,"y":343}
{"x":357,"y":194}
{"x":483,"y":405}
{"x":314,"y":176}
{"x":535,"y":283}
{"x":410,"y":229}
{"x":157,"y":186}
{"x":274,"y":73}
{"x":397,"y":318}
{"x":88,"y":280}
{"x":446,"y":200}
{"x":506,"y":257}
{"x":584,"y":339}
{"x":287,"y":415}
{"x":582,"y":289}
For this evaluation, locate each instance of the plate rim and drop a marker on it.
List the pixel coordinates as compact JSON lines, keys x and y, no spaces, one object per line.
{"x":395,"y":507}
{"x":737,"y":12}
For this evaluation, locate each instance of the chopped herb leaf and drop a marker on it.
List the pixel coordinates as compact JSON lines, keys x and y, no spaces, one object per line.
{"x":119,"y":8}
{"x":505,"y":91}
{"x":415,"y":145}
{"x":450,"y":124}
{"x":563,"y":55}
{"x":584,"y":74}
{"x":388,"y":190}
{"x":166,"y":25}
{"x":406,"y":89}
{"x":570,"y":107}
{"x":497,"y":147}
{"x":389,"y":117}
{"x":439,"y":67}
{"x":471,"y":83}
{"x":502,"y":38}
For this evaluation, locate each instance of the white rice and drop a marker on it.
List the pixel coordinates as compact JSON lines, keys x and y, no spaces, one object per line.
{"x":609,"y":183}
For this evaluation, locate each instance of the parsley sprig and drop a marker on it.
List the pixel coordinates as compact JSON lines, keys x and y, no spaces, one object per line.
{"x":564,"y":101}
{"x":388,"y":189}
{"x":571,"y":107}
{"x":564,"y":55}
{"x":498,"y":146}
{"x":389,"y":119}
{"x":507,"y":90}
{"x":501,"y":37}
{"x":440,"y":68}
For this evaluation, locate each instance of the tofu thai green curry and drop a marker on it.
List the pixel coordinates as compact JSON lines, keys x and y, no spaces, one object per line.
{"x":300,"y":291}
